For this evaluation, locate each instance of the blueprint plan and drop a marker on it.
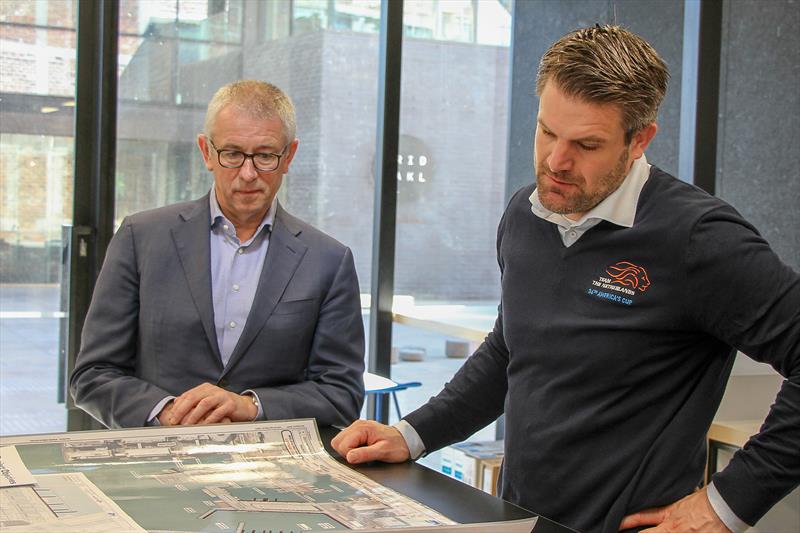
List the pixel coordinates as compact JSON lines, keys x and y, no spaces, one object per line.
{"x":258,"y":476}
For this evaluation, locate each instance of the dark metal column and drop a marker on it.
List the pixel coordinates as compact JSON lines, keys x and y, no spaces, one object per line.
{"x":95,"y":152}
{"x":709,"y":45}
{"x":384,"y":220}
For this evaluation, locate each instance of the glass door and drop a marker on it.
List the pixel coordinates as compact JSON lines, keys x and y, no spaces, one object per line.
{"x":450,"y":191}
{"x":37,"y":87}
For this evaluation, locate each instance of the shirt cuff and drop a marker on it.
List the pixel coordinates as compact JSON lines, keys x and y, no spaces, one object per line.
{"x":724,"y":512}
{"x":415,"y":446}
{"x":257,"y":401}
{"x":152,"y":419}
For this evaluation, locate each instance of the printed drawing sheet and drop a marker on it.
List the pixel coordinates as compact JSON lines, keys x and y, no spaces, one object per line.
{"x":259,"y":476}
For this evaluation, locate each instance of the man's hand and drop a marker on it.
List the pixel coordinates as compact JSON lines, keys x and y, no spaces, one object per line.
{"x":689,"y":514}
{"x":208,"y":404}
{"x":367,"y":440}
{"x":166,"y":414}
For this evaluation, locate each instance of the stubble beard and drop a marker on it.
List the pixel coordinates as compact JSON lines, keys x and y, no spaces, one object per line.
{"x":579,"y":201}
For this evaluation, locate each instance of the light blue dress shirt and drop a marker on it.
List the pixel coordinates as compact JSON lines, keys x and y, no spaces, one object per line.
{"x":235,"y":271}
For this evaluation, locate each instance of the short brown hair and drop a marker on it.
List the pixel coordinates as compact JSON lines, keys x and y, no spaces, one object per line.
{"x":608,"y":64}
{"x":259,"y":98}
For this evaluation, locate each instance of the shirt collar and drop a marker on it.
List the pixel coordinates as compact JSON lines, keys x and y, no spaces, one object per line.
{"x":217,"y":215}
{"x":619,"y":207}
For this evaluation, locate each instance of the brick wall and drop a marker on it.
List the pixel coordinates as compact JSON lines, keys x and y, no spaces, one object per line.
{"x":454,"y":102}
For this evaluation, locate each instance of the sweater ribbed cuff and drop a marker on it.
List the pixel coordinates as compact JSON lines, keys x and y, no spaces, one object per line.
{"x":724,"y":512}
{"x":415,"y":446}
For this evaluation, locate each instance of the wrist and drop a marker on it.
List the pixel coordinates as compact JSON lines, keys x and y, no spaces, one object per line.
{"x":162,"y":418}
{"x":252,"y":405}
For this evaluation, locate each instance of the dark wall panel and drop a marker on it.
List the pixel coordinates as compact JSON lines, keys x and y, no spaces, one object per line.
{"x":538,"y":23}
{"x":758,"y":150}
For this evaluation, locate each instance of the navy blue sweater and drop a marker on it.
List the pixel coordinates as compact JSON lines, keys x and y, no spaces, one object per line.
{"x":610,"y":357}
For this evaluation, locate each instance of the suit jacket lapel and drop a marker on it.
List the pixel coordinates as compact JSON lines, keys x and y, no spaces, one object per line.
{"x":191,"y":237}
{"x":283,"y":257}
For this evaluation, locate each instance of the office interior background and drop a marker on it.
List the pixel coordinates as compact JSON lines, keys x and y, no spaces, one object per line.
{"x":729,"y":123}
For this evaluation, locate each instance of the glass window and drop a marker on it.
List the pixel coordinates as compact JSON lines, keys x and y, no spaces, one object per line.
{"x":484,"y":22}
{"x":451,"y":186}
{"x":168,"y":74}
{"x":37,"y":86}
{"x":309,"y":16}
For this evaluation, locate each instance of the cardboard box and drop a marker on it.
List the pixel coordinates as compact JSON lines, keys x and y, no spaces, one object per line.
{"x":464,"y":461}
{"x":490,"y":473}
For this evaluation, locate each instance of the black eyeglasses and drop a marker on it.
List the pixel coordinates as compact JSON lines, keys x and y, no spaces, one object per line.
{"x":265,"y":162}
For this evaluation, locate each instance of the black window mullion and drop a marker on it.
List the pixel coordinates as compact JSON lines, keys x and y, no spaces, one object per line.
{"x":95,"y":154}
{"x":709,"y":39}
{"x":385,"y":211}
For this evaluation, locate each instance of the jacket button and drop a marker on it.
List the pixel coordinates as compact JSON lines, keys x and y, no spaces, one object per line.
{"x":223,"y":383}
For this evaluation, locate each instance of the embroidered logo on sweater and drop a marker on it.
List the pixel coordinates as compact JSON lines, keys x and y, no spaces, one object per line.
{"x":624,"y":281}
{"x":629,"y":275}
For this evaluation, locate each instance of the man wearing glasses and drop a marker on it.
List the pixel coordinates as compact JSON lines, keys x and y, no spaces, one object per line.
{"x":226,"y":308}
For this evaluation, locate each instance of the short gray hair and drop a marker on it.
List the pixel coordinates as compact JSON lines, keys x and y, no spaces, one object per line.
{"x":260,"y":99}
{"x":608,"y":64}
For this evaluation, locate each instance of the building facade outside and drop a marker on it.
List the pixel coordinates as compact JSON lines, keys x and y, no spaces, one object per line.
{"x":172,"y":60}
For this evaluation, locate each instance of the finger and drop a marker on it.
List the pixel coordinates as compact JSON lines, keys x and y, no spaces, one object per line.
{"x":647,"y":517}
{"x":179,"y":409}
{"x":216,"y":416}
{"x":225,"y":420}
{"x":183,"y":404}
{"x":339,"y":436}
{"x":384,"y":450}
{"x":365,"y":454}
{"x":350,"y":438}
{"x":203,"y":392}
{"x":200,"y":411}
{"x":357,"y":424}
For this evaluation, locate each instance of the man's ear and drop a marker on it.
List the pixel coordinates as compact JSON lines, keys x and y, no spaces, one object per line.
{"x":641,"y":140}
{"x":286,"y":160}
{"x":205,"y":150}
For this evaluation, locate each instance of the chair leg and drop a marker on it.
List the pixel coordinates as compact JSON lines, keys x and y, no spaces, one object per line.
{"x":379,"y":408}
{"x":396,"y":406}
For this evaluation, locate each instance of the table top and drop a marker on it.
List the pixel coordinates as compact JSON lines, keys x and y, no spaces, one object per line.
{"x":470,"y":322}
{"x":456,"y":500}
{"x":733,"y":432}
{"x":376,"y":383}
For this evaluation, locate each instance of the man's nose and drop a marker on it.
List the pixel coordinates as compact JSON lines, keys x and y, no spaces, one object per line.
{"x":560,"y":158}
{"x":248,"y":170}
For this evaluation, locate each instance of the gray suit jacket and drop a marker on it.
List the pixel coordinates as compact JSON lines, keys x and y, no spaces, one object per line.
{"x":149,"y":332}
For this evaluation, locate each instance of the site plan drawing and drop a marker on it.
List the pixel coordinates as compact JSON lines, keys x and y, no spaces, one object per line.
{"x":259,"y":476}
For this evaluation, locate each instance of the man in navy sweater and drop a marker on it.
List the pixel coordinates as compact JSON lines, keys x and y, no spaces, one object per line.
{"x":625,"y":295}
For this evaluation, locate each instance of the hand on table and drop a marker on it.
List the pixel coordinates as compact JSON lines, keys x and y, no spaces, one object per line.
{"x":367,"y":440}
{"x":690,"y":514}
{"x":208,"y":404}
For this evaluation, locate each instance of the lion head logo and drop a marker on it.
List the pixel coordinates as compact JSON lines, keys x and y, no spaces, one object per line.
{"x":629,"y":275}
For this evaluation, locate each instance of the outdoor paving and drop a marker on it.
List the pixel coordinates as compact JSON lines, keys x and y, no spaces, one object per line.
{"x":29,"y":362}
